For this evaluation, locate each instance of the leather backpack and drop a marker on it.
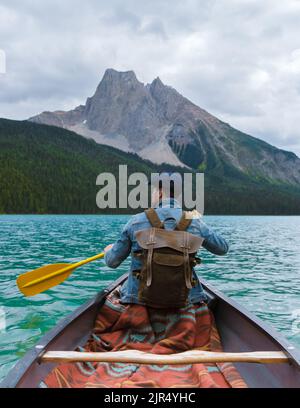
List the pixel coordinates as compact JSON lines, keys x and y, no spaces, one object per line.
{"x":168,"y":258}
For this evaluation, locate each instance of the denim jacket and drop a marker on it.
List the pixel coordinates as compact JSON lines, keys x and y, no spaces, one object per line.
{"x":170,"y":212}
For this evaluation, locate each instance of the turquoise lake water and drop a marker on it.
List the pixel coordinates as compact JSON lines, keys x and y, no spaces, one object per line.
{"x":261,"y":271}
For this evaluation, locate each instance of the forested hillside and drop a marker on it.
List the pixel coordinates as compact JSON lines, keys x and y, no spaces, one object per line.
{"x":45,"y":169}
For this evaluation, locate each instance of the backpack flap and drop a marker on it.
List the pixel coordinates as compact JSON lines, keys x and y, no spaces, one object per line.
{"x":168,"y":238}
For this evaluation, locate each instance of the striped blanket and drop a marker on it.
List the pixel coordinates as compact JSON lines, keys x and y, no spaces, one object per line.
{"x":125,"y":327}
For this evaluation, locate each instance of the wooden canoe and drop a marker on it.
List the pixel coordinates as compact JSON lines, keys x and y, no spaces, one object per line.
{"x":240,"y":332}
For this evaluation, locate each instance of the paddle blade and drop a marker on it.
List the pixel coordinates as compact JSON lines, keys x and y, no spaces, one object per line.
{"x":29,"y":284}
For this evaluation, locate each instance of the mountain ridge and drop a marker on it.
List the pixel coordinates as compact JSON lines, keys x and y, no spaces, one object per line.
{"x":159,"y":124}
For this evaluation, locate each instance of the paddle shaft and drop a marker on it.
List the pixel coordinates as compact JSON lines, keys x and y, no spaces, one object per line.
{"x":187,"y":357}
{"x":64,"y":270}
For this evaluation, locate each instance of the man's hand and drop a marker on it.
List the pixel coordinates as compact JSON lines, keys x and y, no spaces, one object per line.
{"x":106,"y":249}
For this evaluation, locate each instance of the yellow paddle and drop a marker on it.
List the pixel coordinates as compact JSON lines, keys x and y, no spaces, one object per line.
{"x":41,"y":279}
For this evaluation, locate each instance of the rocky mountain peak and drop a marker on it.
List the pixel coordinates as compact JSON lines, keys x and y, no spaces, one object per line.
{"x":121,"y":107}
{"x":161,"y":125}
{"x":113,"y":72}
{"x":114,"y":82}
{"x":157,"y":84}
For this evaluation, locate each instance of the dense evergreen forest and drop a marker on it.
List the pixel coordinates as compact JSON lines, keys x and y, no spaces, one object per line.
{"x":44,"y":169}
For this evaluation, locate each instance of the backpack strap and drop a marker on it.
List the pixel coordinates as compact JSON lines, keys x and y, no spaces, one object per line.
{"x":150,"y":245}
{"x":153,"y":218}
{"x":155,"y":222}
{"x":183,"y":223}
{"x":187,"y":269}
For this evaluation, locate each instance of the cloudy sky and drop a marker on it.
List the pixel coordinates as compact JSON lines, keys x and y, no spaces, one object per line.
{"x":238,"y":59}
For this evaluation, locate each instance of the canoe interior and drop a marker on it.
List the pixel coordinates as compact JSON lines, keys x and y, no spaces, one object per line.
{"x":239,"y":330}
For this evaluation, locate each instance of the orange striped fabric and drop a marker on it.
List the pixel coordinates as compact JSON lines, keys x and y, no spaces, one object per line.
{"x":124,"y":327}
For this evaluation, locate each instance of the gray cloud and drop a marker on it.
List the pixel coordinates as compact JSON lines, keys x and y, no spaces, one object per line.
{"x":240,"y":60}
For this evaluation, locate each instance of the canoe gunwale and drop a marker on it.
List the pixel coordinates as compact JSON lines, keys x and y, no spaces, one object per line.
{"x":34,"y":355}
{"x":292,"y":352}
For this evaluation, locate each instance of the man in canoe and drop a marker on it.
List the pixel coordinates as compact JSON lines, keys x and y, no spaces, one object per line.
{"x":160,"y":309}
{"x":163,"y":243}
